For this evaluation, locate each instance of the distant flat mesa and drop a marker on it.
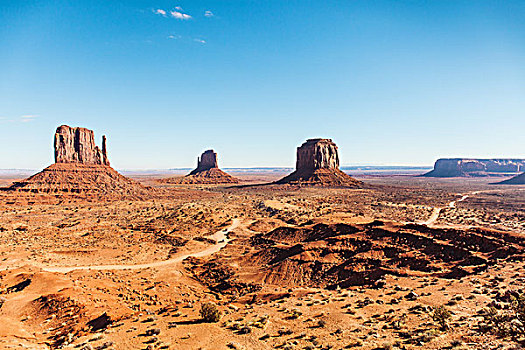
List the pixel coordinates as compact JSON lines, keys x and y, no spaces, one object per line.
{"x":516,"y":180}
{"x":207,"y":172}
{"x":80,"y":168}
{"x":318,"y":165}
{"x":466,"y":167}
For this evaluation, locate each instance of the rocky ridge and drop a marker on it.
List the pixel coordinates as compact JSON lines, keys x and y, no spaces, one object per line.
{"x":516,"y":180}
{"x":345,"y":255}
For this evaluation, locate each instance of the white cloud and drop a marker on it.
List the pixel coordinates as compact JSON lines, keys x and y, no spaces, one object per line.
{"x":200,"y":41}
{"x":160,"y":12}
{"x":178,"y":8}
{"x":172,"y":36}
{"x":180,"y":15}
{"x":208,"y":14}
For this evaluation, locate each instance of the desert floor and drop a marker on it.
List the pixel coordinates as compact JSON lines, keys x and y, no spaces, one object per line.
{"x":288,"y":268}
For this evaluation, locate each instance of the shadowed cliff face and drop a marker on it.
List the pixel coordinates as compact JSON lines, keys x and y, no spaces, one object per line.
{"x":77,"y":145}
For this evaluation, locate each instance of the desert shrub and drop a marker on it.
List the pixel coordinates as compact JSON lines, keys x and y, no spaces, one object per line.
{"x":210,"y":313}
{"x":508,"y":319}
{"x":441,"y":316}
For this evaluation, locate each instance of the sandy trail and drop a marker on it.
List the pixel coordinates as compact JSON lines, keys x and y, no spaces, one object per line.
{"x":436,"y":211}
{"x":220,"y":238}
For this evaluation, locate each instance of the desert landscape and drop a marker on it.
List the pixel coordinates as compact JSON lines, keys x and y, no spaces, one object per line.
{"x":256,"y":175}
{"x":90,"y":259}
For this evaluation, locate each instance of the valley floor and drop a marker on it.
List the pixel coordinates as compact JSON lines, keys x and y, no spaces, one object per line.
{"x":288,"y":268}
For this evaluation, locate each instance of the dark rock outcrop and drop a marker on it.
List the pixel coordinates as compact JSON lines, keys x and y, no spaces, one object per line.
{"x":318,"y":164}
{"x":77,"y":145}
{"x":463,"y":167}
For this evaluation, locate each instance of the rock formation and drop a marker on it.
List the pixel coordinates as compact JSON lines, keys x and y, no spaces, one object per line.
{"x":318,"y":164}
{"x":80,"y":168}
{"x":77,"y":145}
{"x":462,"y":167}
{"x":207,"y":172}
{"x":207,"y":161}
{"x":516,"y":180}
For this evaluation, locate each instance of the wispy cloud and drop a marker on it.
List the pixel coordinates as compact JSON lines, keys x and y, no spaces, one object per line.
{"x":28,"y":118}
{"x":200,"y":41}
{"x":208,"y":14}
{"x":174,"y":36}
{"x":180,"y":15}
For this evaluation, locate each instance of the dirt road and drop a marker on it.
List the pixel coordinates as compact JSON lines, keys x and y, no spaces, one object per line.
{"x":220,"y":237}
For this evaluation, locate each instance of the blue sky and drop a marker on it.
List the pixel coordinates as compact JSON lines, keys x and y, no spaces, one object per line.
{"x":392,"y":82}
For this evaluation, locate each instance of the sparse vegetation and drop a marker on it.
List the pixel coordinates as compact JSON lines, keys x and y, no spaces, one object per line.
{"x":508,"y":319}
{"x":210,"y":312}
{"x":441,"y":316}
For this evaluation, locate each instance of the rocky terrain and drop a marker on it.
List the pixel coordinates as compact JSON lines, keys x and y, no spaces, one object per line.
{"x":464,"y":167}
{"x":207,"y":172}
{"x":284,"y":267}
{"x":80,"y":169}
{"x":318,"y":164}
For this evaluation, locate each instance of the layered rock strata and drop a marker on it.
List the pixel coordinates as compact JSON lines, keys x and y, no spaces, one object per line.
{"x":77,"y":145}
{"x":318,"y":164}
{"x":462,"y":167}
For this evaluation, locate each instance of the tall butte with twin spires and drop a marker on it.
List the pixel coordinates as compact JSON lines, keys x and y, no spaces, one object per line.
{"x":207,"y":172}
{"x":318,"y":164}
{"x":80,"y":167}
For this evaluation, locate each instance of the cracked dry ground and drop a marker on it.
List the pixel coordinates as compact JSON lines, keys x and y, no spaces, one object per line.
{"x":306,"y":269}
